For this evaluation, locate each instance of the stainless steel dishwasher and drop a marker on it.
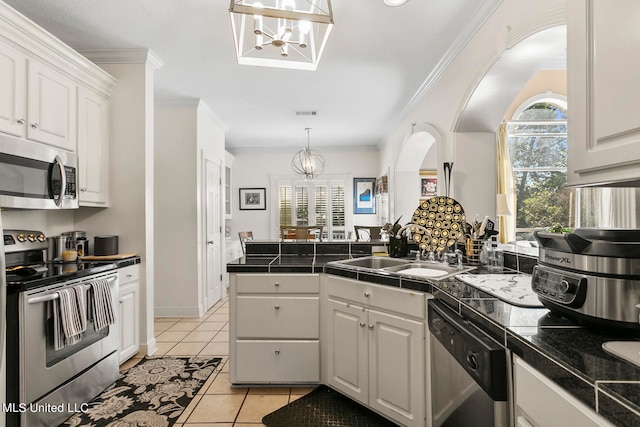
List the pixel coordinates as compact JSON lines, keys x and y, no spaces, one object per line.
{"x":468,"y":373}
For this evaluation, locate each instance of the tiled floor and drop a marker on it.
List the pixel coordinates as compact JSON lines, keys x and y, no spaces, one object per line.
{"x":217,"y":404}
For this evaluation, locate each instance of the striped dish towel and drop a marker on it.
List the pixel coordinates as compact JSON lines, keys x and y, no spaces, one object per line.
{"x":69,"y":316}
{"x":102,"y":305}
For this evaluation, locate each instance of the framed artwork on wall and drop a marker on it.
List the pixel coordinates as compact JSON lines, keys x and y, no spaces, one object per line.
{"x":364,"y":198}
{"x":253,"y":199}
{"x":428,"y":184}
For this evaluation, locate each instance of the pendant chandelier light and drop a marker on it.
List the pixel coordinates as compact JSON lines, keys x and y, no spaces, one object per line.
{"x":281,"y":33}
{"x":308,"y":163}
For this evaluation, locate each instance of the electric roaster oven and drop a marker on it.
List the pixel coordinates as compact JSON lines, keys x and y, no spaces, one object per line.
{"x":52,"y":374}
{"x":591,"y":275}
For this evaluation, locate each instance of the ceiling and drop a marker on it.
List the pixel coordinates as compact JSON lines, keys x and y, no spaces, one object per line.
{"x":375,"y":62}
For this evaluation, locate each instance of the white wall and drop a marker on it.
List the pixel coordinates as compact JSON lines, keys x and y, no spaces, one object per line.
{"x":447,"y":95}
{"x":253,"y":169}
{"x":185,"y":130}
{"x":130,"y":213}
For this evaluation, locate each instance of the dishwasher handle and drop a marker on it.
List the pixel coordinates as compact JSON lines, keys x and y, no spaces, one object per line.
{"x":483,"y":358}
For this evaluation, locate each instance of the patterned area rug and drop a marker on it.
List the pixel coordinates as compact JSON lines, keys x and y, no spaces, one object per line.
{"x":325,"y":407}
{"x":152,"y":393}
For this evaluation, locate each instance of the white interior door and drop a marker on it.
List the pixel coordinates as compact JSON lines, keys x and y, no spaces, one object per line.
{"x":213,"y":281}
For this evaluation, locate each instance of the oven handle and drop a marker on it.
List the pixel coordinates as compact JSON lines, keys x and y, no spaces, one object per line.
{"x":55,"y":295}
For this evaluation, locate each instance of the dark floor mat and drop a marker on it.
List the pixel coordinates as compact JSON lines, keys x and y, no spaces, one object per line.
{"x":325,"y":407}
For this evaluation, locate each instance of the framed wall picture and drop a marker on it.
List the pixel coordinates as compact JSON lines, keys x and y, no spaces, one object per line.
{"x":364,"y":198}
{"x":428,"y":184}
{"x":253,"y":199}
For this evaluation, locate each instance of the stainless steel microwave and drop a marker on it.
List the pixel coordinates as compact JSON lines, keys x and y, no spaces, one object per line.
{"x":36,"y":176}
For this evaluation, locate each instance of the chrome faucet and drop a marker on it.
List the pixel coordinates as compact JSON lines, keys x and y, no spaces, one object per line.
{"x":415,"y":227}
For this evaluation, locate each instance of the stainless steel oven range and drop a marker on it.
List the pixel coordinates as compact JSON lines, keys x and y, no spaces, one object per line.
{"x":48,"y":378}
{"x":591,"y":275}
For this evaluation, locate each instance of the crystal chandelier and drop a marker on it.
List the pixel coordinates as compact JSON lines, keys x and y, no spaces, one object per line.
{"x":281,"y":33}
{"x":307,"y":163}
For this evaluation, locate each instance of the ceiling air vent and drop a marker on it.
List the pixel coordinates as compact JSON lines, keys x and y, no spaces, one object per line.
{"x":306,"y":113}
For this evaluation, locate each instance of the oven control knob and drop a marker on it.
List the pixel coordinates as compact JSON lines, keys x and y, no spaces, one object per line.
{"x":564,"y":286}
{"x":21,"y":237}
{"x":41,"y":237}
{"x":31,"y":237}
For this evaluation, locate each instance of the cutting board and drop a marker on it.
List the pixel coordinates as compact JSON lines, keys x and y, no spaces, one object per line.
{"x":106,"y":257}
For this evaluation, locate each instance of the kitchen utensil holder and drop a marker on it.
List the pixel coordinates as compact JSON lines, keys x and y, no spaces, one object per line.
{"x":474,"y":248}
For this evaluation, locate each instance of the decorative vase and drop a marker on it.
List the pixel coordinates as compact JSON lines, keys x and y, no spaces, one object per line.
{"x":398,"y":248}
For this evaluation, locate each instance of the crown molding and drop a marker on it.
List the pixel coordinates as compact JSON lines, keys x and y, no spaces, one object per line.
{"x":124,"y":56}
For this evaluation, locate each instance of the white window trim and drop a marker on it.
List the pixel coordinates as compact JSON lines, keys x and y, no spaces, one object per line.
{"x":277,"y":180}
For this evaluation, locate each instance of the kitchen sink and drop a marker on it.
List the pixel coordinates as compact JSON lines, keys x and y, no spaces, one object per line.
{"x":372,"y":262}
{"x":427,"y":270}
{"x":404,"y":267}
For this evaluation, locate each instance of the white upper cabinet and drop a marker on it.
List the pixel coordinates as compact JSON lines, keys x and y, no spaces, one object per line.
{"x":13,"y":91}
{"x":51,"y":107}
{"x":603,"y":41}
{"x":36,"y":102}
{"x":93,"y":148}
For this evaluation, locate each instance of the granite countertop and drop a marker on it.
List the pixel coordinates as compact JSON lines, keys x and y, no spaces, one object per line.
{"x":58,"y":272}
{"x":563,"y":350}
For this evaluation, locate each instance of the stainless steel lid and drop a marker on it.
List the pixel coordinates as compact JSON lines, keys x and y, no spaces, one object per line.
{"x":616,"y":243}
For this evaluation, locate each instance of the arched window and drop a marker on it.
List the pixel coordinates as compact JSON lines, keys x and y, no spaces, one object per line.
{"x":537,"y":137}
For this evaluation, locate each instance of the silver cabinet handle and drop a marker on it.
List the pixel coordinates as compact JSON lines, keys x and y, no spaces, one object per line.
{"x":83,"y":189}
{"x":276,"y":284}
{"x":20,"y":122}
{"x":277,"y":351}
{"x":129,"y":275}
{"x":367,"y":294}
{"x":277,"y":307}
{"x":210,"y":242}
{"x":362,"y":324}
{"x":371,"y":327}
{"x":35,"y":126}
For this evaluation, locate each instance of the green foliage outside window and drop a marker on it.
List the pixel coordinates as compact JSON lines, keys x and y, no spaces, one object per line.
{"x":538,"y":149}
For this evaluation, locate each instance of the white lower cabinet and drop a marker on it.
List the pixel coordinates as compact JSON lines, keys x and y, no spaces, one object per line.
{"x":275,"y":328}
{"x":539,"y":402}
{"x":375,"y":353}
{"x":129,"y":312}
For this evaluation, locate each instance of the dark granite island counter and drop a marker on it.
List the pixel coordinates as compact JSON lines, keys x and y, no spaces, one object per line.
{"x":569,"y":354}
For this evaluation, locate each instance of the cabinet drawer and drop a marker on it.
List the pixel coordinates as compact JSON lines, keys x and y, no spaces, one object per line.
{"x":278,"y":283}
{"x":539,"y":399}
{"x":402,"y":301}
{"x":128,"y":274}
{"x":277,"y":361}
{"x":277,"y":317}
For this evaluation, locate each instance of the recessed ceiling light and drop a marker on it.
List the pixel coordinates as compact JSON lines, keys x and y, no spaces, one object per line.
{"x":394,"y":2}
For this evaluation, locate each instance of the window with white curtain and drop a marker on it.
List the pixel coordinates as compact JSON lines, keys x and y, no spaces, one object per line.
{"x":318,"y":202}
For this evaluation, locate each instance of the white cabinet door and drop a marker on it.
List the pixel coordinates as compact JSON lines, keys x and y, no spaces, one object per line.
{"x":128,"y":320}
{"x":396,"y":367}
{"x":603,"y":41}
{"x":129,"y":341}
{"x":13,"y":91}
{"x":93,"y":148}
{"x":51,"y":107}
{"x":347,"y":350}
{"x":540,"y":402}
